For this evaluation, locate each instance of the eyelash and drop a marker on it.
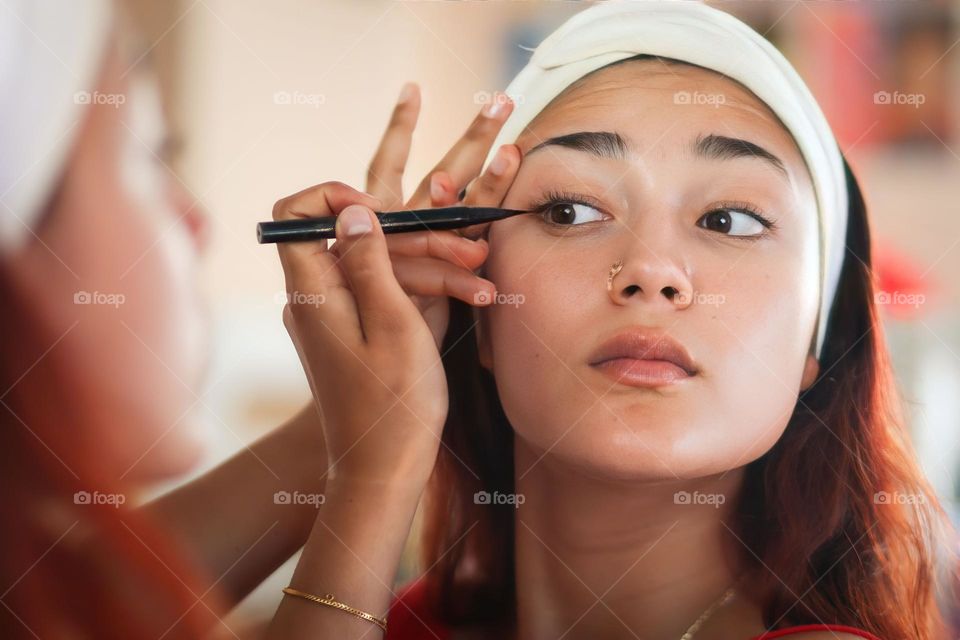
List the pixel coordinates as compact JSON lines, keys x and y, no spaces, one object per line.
{"x":553,"y":197}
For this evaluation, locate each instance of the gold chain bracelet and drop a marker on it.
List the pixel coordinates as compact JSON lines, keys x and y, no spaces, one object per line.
{"x":330,"y":601}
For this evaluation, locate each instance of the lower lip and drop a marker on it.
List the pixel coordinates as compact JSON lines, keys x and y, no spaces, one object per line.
{"x":642,"y":373}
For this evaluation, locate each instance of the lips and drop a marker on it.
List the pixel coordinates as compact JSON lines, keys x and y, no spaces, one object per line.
{"x":643,"y":357}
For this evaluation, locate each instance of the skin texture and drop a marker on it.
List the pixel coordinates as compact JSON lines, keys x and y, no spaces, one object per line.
{"x":599,"y":463}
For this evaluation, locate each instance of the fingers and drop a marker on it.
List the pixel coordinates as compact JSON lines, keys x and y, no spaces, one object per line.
{"x":443,"y":193}
{"x":446,"y":245}
{"x":385,"y":174}
{"x":301,"y":259}
{"x":465,"y":158}
{"x":430,"y":277}
{"x":384,"y":309}
{"x":490,"y":189}
{"x":317,"y":291}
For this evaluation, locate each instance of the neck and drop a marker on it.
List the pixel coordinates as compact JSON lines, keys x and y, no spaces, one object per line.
{"x":616,"y":559}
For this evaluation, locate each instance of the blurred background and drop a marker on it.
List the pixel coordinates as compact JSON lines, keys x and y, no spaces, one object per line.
{"x":268,"y":98}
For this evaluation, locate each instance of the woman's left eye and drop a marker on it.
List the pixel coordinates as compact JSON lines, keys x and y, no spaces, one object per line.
{"x":732,"y":222}
{"x":568,"y":213}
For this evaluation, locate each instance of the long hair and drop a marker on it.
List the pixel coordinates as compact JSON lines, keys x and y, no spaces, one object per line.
{"x":69,"y":567}
{"x":828,"y":535}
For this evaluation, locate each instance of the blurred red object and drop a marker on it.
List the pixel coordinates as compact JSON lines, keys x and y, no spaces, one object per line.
{"x":903,"y":289}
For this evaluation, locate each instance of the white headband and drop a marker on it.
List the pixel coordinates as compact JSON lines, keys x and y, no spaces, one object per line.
{"x":50,"y":56}
{"x":693,"y":32}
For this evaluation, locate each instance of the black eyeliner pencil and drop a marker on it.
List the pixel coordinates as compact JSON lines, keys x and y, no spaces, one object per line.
{"x":304,"y":229}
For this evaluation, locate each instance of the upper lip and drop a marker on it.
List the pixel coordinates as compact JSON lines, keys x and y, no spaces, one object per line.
{"x":645,"y":344}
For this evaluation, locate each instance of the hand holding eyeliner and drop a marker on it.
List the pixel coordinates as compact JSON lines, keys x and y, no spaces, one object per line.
{"x":306,"y":229}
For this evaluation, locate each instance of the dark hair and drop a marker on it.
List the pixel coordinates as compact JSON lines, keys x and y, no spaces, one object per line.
{"x":804,"y":504}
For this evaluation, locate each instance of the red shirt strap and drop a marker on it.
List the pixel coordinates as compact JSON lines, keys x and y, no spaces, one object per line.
{"x":779,"y":633}
{"x":409,"y":617}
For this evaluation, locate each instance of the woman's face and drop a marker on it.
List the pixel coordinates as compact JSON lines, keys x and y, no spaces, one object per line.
{"x":740,"y":297}
{"x":112,"y":269}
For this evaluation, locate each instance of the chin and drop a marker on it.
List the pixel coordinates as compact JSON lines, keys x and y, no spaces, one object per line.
{"x":616,"y":456}
{"x":643,"y":450}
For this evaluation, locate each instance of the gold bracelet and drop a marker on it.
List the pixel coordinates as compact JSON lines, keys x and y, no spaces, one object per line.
{"x":330,"y":601}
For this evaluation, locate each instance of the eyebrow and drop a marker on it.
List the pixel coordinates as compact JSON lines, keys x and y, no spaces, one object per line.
{"x":611,"y":145}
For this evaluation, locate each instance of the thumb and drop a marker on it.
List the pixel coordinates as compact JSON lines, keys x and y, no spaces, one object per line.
{"x":382,"y":303}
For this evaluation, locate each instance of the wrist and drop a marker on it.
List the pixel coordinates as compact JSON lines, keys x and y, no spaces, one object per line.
{"x":350,"y":484}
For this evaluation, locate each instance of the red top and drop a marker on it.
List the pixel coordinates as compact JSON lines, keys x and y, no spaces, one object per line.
{"x":409,"y":619}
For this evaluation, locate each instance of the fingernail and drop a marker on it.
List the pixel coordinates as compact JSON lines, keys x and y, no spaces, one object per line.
{"x":354,"y":221}
{"x":498,"y":166}
{"x":492,"y":108}
{"x":406,"y":93}
{"x":436,"y":189}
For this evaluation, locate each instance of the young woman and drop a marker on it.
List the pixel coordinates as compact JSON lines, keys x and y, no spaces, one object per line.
{"x":674,"y":416}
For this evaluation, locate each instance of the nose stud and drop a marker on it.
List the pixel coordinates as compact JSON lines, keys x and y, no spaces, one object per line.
{"x":614,"y":270}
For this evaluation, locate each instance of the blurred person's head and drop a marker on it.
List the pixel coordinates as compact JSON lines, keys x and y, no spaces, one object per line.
{"x":103,"y":329}
{"x":106,"y":265}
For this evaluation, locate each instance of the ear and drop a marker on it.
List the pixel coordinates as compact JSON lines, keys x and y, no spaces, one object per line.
{"x":811,"y":369}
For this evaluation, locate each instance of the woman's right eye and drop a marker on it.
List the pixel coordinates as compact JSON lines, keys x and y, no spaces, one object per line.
{"x":568,"y":213}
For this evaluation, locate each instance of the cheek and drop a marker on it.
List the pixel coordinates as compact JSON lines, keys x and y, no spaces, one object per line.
{"x":535,"y":360}
{"x":753,"y":338}
{"x":554,"y":400}
{"x":123,"y":287}
{"x":763,"y":316}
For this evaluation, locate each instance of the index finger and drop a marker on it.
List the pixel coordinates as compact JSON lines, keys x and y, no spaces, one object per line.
{"x":326,"y":199}
{"x":490,"y":189}
{"x":385,"y":174}
{"x":465,"y":159}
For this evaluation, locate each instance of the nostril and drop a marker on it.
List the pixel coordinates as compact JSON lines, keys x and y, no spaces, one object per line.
{"x":670,"y":292}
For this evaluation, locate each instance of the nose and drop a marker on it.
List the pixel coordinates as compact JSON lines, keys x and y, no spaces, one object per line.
{"x":655,"y":280}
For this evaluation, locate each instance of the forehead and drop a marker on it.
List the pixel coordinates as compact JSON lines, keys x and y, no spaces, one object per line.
{"x":662,"y":107}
